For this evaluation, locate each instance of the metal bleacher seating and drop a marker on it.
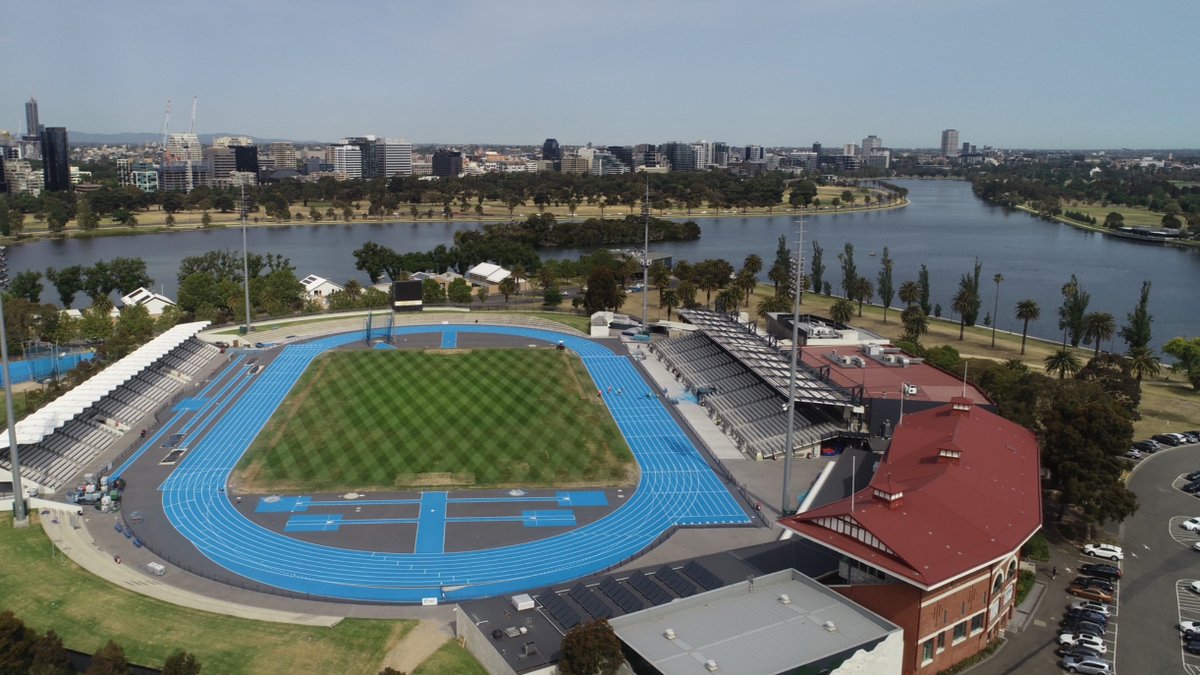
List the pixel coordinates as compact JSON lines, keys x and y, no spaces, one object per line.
{"x":65,"y":453}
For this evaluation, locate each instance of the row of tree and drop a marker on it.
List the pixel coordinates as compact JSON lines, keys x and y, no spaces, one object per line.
{"x":23,"y":650}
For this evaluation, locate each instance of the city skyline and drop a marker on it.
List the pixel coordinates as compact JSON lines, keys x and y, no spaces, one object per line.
{"x":1004,"y":74}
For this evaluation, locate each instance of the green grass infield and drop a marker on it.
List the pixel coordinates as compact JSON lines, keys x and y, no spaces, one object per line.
{"x":400,"y":419}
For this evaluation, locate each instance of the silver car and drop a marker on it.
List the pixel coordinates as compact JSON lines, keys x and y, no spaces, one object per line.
{"x":1089,"y":665}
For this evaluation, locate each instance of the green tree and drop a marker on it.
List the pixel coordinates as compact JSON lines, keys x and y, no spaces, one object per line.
{"x":128,"y":274}
{"x":50,"y":656}
{"x":481,"y":294}
{"x":1143,"y":362}
{"x":910,"y":293}
{"x":861,"y":290}
{"x":887,"y":289}
{"x":552,"y":296}
{"x":85,"y":217}
{"x":391,"y":671}
{"x":961,"y":304}
{"x":1115,"y":374}
{"x":1027,"y":310}
{"x":1114,"y":220}
{"x":669,"y":299}
{"x":205,"y":219}
{"x":181,"y":663}
{"x":110,"y":660}
{"x":660,"y":276}
{"x":781,"y":271}
{"x":842,"y":310}
{"x":590,"y":649}
{"x":602,"y":291}
{"x":27,"y":285}
{"x":124,"y":217}
{"x":459,"y":292}
{"x":17,"y":643}
{"x":816,"y":267}
{"x":5,"y":218}
{"x":849,"y":270}
{"x":1187,"y":358}
{"x":1063,"y":362}
{"x":923,"y":283}
{"x":1098,"y":327}
{"x":432,"y":292}
{"x":916,"y":323}
{"x":133,"y":328}
{"x":1136,"y":333}
{"x":507,"y":288}
{"x":1073,"y":310}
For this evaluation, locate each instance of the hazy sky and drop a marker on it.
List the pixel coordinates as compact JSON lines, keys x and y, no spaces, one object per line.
{"x":1012,"y":73}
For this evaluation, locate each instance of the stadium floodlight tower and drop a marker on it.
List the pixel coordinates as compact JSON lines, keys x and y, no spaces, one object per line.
{"x":646,"y":259}
{"x":245,"y":259}
{"x":20,"y":517}
{"x":790,"y":436}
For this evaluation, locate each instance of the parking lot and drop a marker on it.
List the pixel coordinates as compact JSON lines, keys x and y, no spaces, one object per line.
{"x":1112,"y":630}
{"x":1188,"y":603}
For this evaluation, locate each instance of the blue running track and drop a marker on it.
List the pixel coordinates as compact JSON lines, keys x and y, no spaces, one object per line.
{"x":676,"y":488}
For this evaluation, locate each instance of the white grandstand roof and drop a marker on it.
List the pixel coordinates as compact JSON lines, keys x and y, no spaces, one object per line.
{"x":490,"y":272}
{"x":61,"y":410}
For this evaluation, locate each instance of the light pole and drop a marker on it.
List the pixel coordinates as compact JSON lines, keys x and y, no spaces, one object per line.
{"x":20,"y":517}
{"x":790,"y":437}
{"x":646,"y":259}
{"x":996,"y":307}
{"x":245,"y":261}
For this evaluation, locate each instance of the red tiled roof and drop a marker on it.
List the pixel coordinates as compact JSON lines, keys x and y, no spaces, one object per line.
{"x":884,"y":381}
{"x":954,"y":515}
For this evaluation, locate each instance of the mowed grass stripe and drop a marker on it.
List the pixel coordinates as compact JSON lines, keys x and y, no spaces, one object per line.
{"x":381,"y":419}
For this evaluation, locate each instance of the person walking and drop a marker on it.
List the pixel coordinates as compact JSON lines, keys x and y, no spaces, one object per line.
{"x":1054,"y":572}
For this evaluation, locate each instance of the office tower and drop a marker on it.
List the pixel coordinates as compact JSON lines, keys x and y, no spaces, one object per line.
{"x":393,"y":157}
{"x":816,"y":148}
{"x":185,"y":148}
{"x":232,"y":141}
{"x":221,"y":161}
{"x":551,"y":150}
{"x":681,"y":156}
{"x":3,"y":180}
{"x":720,"y":154}
{"x":32,"y":125}
{"x":870,"y":143}
{"x":283,"y":155}
{"x":849,"y":149}
{"x":623,"y":153}
{"x":753,"y":153}
{"x":366,"y":152}
{"x":56,"y":165}
{"x":245,"y":158}
{"x":575,"y":164}
{"x":346,"y":160}
{"x":447,"y":163}
{"x":950,"y":143}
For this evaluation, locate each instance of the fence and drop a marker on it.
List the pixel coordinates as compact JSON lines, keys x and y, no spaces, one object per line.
{"x":36,"y":370}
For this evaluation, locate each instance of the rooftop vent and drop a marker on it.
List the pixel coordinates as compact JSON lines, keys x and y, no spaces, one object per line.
{"x":784,"y":599}
{"x":669,"y":633}
{"x":893,"y":499}
{"x":829,"y":626}
{"x":952,"y":455}
{"x":960,"y":405}
{"x":711,"y":665}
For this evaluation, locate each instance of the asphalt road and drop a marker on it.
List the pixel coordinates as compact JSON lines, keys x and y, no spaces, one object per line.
{"x":1159,"y":565}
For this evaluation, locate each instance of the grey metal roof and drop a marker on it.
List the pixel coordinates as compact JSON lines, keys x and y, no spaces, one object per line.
{"x":763,"y":359}
{"x":748,"y":629}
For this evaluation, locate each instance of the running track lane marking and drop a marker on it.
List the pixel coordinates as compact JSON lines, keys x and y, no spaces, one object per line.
{"x":431,"y":524}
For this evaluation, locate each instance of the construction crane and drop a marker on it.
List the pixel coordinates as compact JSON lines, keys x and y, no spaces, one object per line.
{"x":192,"y":126}
{"x":166,"y":125}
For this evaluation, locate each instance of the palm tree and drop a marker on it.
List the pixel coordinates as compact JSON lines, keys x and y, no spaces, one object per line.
{"x":746,"y":282}
{"x":1099,"y":326}
{"x":910,"y":292}
{"x":1027,"y":310}
{"x":1143,"y":362}
{"x":1064,"y":362}
{"x":669,"y":298}
{"x":916,"y":322}
{"x":771,"y":304}
{"x":660,"y":276}
{"x":961,"y":303}
{"x":728,"y":298}
{"x":861,"y":289}
{"x":753,"y":263}
{"x":842,"y":310}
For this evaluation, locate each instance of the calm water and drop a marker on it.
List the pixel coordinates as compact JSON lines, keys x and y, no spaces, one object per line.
{"x":945,"y":228}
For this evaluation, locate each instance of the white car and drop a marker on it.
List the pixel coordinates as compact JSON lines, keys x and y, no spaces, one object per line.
{"x":1090,"y":641}
{"x":1196,"y":546}
{"x":1191,"y":524}
{"x":1107,"y":551}
{"x":1093,"y":606}
{"x":1196,"y":587}
{"x":1189,"y":628}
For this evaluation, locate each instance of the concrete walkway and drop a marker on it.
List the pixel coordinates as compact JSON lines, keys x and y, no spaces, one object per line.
{"x":416,"y":647}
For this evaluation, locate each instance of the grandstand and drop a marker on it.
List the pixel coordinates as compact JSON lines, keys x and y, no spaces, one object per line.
{"x":61,"y":440}
{"x":741,"y":379}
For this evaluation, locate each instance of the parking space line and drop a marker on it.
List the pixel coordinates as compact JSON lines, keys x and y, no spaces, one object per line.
{"x":1184,"y":537}
{"x":1188,"y":602}
{"x":1110,"y":630}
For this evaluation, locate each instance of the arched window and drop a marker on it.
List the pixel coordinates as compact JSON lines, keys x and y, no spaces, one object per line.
{"x":998,"y":583}
{"x":1012,"y":569}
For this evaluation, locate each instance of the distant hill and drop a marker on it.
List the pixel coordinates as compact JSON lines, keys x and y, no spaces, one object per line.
{"x":141,"y":138}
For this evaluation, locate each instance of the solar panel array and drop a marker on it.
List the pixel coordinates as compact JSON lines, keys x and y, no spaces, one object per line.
{"x":628,"y":602}
{"x":762,"y":359}
{"x":676,"y":581}
{"x":656,"y":594}
{"x":559,"y":609}
{"x":590,"y":602}
{"x":700,"y":574}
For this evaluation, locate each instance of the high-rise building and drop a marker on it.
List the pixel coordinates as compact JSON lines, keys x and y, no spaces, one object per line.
{"x":184,"y":148}
{"x":221,"y":161}
{"x":366,"y":152}
{"x":950,"y":143}
{"x":753,"y":153}
{"x":283,"y":155}
{"x":447,"y":163}
{"x":681,"y":156}
{"x":720,"y":153}
{"x":850,"y":149}
{"x":245,"y":158}
{"x":816,"y":147}
{"x":232,"y":141}
{"x":346,"y":160}
{"x":575,"y":164}
{"x":144,"y":177}
{"x":56,"y":163}
{"x":393,"y":157}
{"x":32,"y":126}
{"x":551,"y":150}
{"x":624,"y":153}
{"x":3,"y":180}
{"x":870,"y":143}
{"x":22,"y":179}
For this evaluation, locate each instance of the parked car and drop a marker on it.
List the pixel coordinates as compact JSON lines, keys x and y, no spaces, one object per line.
{"x":1107,"y":551}
{"x":1134,"y":453}
{"x":1195,"y":475}
{"x":1102,"y":584}
{"x":1089,"y":665}
{"x":1190,"y":629}
{"x":1192,"y":487}
{"x":1192,"y":646}
{"x":1077,"y":639}
{"x":1093,"y":606}
{"x":1088,"y":615}
{"x":1196,"y":546}
{"x":1070,"y":625}
{"x":1091,"y":593}
{"x":1148,"y":445}
{"x":1191,"y":524}
{"x":1080,"y":651}
{"x":1168,"y":439}
{"x":1195,"y":587}
{"x":1101,"y":570}
{"x":1192,"y":436}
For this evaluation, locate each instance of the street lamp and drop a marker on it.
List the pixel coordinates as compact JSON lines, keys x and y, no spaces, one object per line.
{"x":646,"y":259}
{"x":790,"y":437}
{"x":20,"y":517}
{"x":245,"y":260}
{"x":996,"y":307}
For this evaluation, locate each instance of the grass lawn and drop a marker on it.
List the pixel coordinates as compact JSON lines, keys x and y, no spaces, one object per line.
{"x":450,"y":660}
{"x":86,"y":611}
{"x":386,"y":418}
{"x":1134,"y":217}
